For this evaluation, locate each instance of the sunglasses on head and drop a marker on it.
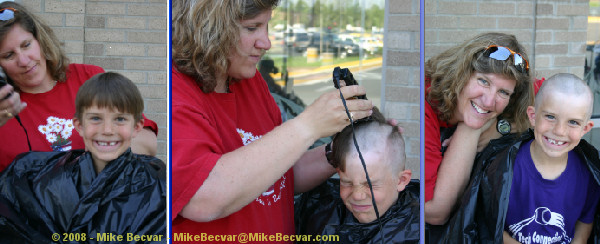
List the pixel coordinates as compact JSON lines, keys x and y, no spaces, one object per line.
{"x":503,"y":53}
{"x":7,"y":14}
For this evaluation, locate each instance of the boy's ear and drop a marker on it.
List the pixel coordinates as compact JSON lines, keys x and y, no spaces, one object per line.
{"x":78,"y":126}
{"x":587,"y":126}
{"x":531,"y":115}
{"x":137,"y":127}
{"x":403,"y":179}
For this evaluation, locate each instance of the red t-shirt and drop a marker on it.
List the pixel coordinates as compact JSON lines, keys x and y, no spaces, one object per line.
{"x":48,"y":118}
{"x":433,"y":147}
{"x":206,"y":126}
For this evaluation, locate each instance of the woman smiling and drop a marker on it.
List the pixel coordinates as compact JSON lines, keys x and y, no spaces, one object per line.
{"x":474,"y":92}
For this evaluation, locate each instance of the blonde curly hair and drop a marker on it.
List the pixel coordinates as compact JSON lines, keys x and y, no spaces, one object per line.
{"x":205,"y":32}
{"x":450,"y":71}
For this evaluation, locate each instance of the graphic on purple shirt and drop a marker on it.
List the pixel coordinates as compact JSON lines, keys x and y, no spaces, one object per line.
{"x":545,"y":211}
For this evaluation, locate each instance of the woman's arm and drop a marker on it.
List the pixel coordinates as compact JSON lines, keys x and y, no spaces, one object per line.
{"x":507,"y":239}
{"x":311,"y":170}
{"x":453,"y":174}
{"x":582,"y":232}
{"x":241,"y":175}
{"x":144,"y":142}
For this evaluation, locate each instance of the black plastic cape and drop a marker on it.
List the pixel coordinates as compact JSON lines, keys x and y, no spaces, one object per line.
{"x":42,"y":193}
{"x":322,"y":212}
{"x":482,"y":211}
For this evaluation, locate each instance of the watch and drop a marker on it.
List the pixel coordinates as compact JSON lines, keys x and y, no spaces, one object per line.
{"x":329,"y":152}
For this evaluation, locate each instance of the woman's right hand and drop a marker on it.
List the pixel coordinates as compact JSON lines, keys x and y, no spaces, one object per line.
{"x":326,"y":115}
{"x":489,"y":132}
{"x":11,"y":105}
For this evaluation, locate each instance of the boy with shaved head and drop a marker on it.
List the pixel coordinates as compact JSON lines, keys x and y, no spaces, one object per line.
{"x":553,"y":196}
{"x":346,"y":209}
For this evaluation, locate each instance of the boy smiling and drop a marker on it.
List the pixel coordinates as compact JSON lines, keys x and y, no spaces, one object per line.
{"x":553,"y":194}
{"x":87,"y":193}
{"x":108,"y":121}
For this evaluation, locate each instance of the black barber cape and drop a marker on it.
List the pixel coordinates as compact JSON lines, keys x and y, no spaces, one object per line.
{"x":42,"y":193}
{"x":322,"y":212}
{"x":482,"y":210}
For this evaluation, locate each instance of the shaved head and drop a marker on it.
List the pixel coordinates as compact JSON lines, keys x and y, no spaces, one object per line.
{"x":567,"y":84}
{"x":375,"y":135}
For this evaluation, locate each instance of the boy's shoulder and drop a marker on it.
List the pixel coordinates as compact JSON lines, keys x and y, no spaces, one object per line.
{"x":28,"y":162}
{"x":585,"y":154}
{"x":154,"y":166}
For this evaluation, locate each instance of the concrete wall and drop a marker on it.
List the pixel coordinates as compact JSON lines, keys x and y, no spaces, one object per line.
{"x":400,"y":88}
{"x":125,"y":36}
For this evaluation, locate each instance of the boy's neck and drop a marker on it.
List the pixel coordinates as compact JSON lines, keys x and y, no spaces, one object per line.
{"x":549,"y":167}
{"x":99,"y":166}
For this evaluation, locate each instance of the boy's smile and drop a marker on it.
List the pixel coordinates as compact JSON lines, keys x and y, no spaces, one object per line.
{"x":106,"y":133}
{"x":559,"y":123}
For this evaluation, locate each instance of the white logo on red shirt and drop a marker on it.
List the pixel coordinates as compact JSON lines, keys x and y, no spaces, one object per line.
{"x":273,"y":194}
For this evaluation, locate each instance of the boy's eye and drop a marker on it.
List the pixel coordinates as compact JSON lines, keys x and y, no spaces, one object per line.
{"x":251,"y":29}
{"x":121,"y":119}
{"x":573,"y":122}
{"x":8,"y":55}
{"x":548,"y":116}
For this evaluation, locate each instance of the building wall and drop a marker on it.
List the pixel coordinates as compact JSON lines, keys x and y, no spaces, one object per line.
{"x":125,"y":36}
{"x":400,"y":88}
{"x":557,"y":27}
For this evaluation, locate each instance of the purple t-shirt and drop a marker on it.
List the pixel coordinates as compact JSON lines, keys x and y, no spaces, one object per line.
{"x":545,"y":211}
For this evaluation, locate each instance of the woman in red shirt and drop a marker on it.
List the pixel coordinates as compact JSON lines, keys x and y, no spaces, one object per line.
{"x":41,"y":90}
{"x":469,"y":87}
{"x":235,"y":165}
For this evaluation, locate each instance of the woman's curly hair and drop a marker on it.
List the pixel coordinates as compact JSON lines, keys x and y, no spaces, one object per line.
{"x":450,"y":71}
{"x":206,"y":31}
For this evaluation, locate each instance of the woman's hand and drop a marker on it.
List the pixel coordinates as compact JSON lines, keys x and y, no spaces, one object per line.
{"x":10,"y":104}
{"x":488,"y":133}
{"x":327,"y":115}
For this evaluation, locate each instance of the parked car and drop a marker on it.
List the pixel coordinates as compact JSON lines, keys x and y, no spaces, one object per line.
{"x":370,"y":45}
{"x":332,"y":44}
{"x":297,"y":40}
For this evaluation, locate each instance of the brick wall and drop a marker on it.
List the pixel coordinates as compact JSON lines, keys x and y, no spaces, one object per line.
{"x":125,"y":36}
{"x":557,"y":27}
{"x":400,"y":88}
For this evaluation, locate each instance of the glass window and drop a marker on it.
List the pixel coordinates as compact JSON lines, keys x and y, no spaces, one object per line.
{"x":311,"y":37}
